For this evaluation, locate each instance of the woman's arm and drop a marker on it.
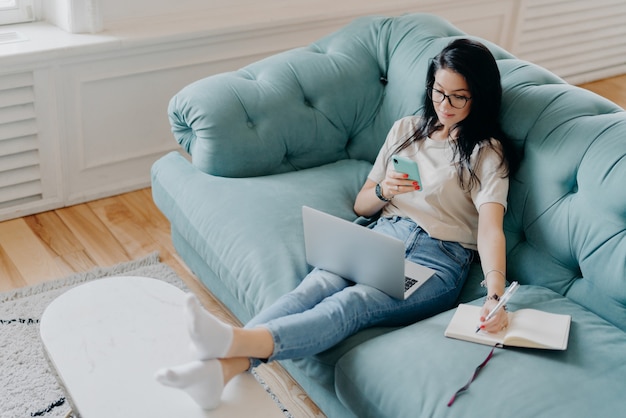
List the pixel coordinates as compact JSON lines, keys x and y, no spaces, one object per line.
{"x":367,"y":203}
{"x":492,"y":250}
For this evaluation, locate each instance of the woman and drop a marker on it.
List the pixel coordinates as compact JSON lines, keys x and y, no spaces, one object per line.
{"x":464,"y":161}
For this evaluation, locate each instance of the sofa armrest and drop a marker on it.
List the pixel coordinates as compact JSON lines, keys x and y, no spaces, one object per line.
{"x":300,"y":109}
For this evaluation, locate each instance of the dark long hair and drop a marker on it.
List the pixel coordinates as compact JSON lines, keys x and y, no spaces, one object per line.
{"x":473,"y":61}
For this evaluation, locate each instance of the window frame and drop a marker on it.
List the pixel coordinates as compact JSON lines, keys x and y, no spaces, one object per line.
{"x":16,"y":11}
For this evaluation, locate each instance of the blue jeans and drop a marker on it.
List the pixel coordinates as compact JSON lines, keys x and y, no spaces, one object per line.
{"x":325,"y":308}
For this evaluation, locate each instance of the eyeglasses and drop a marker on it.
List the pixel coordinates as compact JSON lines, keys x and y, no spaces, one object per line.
{"x":455,"y":100}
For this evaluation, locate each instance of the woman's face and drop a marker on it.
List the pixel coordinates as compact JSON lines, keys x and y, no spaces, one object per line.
{"x":454,"y":86}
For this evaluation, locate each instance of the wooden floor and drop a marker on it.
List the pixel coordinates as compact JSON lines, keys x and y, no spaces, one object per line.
{"x":54,"y":244}
{"x":105,"y":232}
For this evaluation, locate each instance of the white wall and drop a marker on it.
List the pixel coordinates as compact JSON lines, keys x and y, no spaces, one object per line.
{"x":120,"y":10}
{"x":76,"y":15}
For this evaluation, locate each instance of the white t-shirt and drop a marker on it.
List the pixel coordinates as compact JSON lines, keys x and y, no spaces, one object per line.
{"x":442,"y":208}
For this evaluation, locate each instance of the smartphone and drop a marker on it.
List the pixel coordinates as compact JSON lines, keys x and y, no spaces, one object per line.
{"x":407,"y":166}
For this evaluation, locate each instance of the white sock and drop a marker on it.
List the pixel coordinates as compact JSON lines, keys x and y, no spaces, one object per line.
{"x":202,"y":380}
{"x":211,"y":338}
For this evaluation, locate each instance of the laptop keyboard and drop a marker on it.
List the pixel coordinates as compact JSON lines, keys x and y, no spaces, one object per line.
{"x":409,"y":283}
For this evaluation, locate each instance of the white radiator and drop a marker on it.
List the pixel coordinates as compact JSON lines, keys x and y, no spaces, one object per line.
{"x":20,"y":174}
{"x":580,"y":40}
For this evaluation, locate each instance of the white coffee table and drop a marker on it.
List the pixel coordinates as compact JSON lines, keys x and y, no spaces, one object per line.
{"x":106,"y":339}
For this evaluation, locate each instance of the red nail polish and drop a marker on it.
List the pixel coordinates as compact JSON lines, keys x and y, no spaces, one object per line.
{"x":406,"y":176}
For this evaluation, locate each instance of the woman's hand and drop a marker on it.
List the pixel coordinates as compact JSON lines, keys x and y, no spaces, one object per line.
{"x":396,"y":183}
{"x":498,"y":322}
{"x":367,"y":204}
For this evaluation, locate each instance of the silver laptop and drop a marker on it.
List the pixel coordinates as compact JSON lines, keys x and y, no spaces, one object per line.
{"x":360,"y":254}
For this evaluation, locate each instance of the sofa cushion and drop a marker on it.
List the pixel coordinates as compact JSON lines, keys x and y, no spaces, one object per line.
{"x":249,"y":231}
{"x":414,"y":371}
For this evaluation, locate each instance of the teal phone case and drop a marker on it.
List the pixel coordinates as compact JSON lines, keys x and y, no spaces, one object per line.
{"x":406,"y":165}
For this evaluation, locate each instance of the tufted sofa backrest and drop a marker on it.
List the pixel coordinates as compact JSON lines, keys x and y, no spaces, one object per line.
{"x":338,"y":97}
{"x":566,"y":224}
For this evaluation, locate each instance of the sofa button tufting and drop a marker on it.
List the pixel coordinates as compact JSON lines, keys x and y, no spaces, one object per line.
{"x":250,"y":124}
{"x":383,"y":80}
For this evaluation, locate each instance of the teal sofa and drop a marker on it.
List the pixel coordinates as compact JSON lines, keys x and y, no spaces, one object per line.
{"x":303,"y":128}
